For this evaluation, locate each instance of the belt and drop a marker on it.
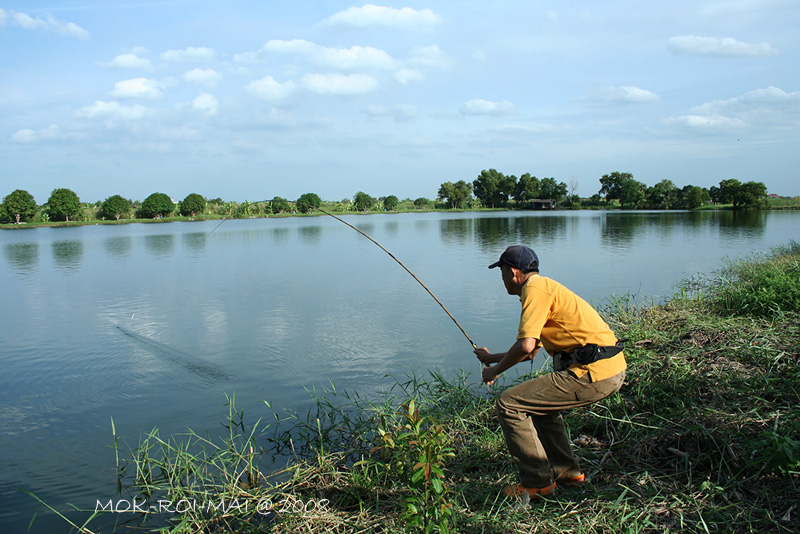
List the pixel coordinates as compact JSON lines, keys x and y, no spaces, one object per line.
{"x":585,"y":355}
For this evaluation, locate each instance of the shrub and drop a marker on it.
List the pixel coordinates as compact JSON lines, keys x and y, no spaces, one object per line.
{"x":19,"y":205}
{"x":156,"y":205}
{"x":390,"y":203}
{"x":115,"y":207}
{"x":762,"y":286}
{"x":63,"y":204}
{"x":307,"y":202}
{"x":192,"y":205}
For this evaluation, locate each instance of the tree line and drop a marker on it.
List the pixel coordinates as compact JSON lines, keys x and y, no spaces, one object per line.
{"x":491,"y":189}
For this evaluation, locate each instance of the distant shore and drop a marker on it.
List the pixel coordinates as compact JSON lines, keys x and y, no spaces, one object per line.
{"x":217,"y":217}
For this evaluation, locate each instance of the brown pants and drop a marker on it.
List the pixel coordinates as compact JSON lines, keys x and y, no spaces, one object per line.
{"x":530,"y":415}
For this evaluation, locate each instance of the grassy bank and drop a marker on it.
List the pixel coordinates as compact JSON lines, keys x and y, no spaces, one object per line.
{"x":703,"y":437}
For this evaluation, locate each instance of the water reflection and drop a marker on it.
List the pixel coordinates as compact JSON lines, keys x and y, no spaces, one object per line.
{"x":458,"y":231}
{"x":118,"y":246}
{"x":280,"y":235}
{"x":68,"y":254}
{"x":497,"y":233}
{"x":392,"y":228}
{"x":310,"y":235}
{"x":743,"y":224}
{"x":160,"y":245}
{"x":540,"y":230}
{"x":195,"y":241}
{"x":22,"y":257}
{"x":618,"y":230}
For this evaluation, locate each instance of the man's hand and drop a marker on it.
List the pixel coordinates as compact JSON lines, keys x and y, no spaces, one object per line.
{"x":486,"y":357}
{"x":489,"y":375}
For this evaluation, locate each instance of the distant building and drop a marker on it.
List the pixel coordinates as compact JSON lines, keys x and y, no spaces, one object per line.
{"x":543,"y":203}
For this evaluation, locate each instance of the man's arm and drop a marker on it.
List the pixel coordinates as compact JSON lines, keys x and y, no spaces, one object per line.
{"x":523,"y":349}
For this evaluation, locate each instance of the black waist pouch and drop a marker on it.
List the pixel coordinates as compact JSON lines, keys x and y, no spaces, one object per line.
{"x":591,"y":353}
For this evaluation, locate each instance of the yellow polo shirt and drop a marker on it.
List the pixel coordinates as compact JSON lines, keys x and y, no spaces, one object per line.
{"x":563,"y":321}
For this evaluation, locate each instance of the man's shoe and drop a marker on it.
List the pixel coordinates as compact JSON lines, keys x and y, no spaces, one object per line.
{"x":577,"y":480}
{"x":518,"y":490}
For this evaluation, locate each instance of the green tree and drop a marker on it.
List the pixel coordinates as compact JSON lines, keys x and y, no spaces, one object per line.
{"x":552,"y":190}
{"x":363,"y":202}
{"x":156,"y":206}
{"x":691,"y":197}
{"x":19,"y":205}
{"x":390,"y":203}
{"x":716,"y":194}
{"x":422,"y":203}
{"x":115,"y":207}
{"x":455,"y":194}
{"x":493,"y":188}
{"x":750,"y":195}
{"x":632,"y":194}
{"x":63,"y":204}
{"x":307,"y":202}
{"x":192,"y":205}
{"x":611,"y":184}
{"x":663,"y":195}
{"x":527,"y":188}
{"x":280,"y":205}
{"x":728,"y":189}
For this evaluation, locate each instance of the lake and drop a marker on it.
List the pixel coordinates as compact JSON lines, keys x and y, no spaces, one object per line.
{"x":153,"y":324}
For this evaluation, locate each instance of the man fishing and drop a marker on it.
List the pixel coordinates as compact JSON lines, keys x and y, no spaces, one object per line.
{"x":588,"y":365}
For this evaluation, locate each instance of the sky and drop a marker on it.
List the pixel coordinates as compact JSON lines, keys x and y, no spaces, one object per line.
{"x":248,"y":100}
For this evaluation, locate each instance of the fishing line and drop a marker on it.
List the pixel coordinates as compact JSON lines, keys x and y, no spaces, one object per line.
{"x":439,"y":302}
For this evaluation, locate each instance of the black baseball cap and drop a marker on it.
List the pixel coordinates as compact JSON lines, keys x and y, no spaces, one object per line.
{"x":520,"y":257}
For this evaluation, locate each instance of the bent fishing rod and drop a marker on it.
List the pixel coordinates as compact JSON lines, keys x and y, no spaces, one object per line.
{"x":439,"y":302}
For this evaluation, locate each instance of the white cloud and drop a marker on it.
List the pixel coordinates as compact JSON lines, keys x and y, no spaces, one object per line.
{"x":478,"y":106}
{"x":355,"y":57}
{"x":428,"y":56}
{"x":372,"y":15}
{"x":760,"y":99}
{"x":30,"y":136}
{"x":518,"y":129}
{"x":624,"y":94}
{"x":127,"y":61}
{"x":23,"y":136}
{"x":48,"y":23}
{"x":208,"y":77}
{"x":190,"y":53}
{"x":706,"y":122}
{"x":339,"y":84}
{"x":406,"y":76}
{"x":112,"y":111}
{"x":722,"y":47}
{"x":137,"y":88}
{"x":270,"y":89}
{"x":766,"y":107}
{"x":401,"y":112}
{"x":206,"y":103}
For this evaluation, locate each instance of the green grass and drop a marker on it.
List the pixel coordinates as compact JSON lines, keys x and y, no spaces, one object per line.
{"x":703,"y":437}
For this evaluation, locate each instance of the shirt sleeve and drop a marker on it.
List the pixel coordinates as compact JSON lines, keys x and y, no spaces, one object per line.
{"x":536,"y":305}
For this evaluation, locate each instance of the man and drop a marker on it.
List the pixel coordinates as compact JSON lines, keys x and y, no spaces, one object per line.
{"x":588,"y":365}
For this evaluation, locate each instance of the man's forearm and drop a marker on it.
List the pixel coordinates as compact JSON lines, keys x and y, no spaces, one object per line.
{"x":523,"y":349}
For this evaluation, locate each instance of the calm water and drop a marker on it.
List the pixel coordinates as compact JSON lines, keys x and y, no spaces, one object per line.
{"x":152,"y":324}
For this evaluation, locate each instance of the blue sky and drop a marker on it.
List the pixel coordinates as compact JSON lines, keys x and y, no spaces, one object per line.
{"x":251,"y":100}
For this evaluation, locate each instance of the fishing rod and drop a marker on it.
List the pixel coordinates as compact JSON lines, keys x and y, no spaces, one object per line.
{"x":439,"y":302}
